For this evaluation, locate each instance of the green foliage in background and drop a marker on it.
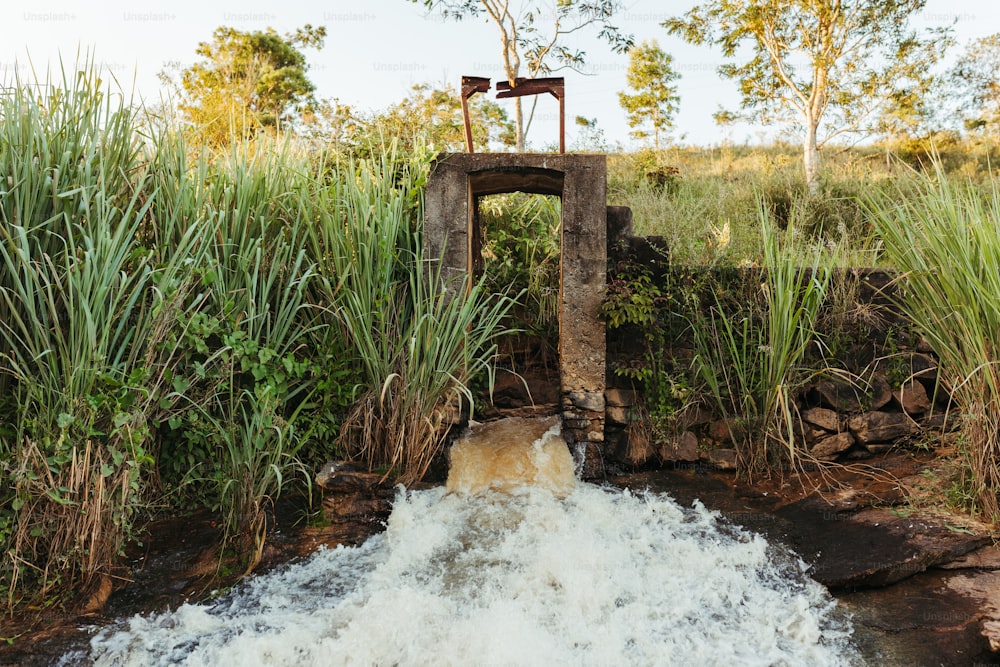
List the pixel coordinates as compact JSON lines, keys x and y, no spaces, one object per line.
{"x":246,"y":82}
{"x":654,"y":100}
{"x":521,"y":243}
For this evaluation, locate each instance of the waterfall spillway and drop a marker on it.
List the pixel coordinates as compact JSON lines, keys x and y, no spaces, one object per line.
{"x":511,"y":455}
{"x":511,"y":573}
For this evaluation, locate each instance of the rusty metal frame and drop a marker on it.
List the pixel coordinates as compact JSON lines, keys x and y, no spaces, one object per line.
{"x":470,"y":86}
{"x":555,"y":86}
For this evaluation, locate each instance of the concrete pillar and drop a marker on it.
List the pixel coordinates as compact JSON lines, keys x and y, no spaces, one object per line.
{"x":581,"y":181}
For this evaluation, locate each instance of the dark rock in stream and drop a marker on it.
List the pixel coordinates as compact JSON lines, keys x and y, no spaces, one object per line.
{"x":871,"y":547}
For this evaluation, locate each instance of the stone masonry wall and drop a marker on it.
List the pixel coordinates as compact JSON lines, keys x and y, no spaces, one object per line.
{"x":884,"y":394}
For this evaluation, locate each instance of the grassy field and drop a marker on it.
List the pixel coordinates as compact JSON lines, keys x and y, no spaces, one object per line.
{"x":704,"y":201}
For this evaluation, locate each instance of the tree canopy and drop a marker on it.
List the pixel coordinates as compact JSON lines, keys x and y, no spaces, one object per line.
{"x":654,"y":102}
{"x":437,"y":113}
{"x":829,"y":66}
{"x":246,"y":81}
{"x":976,"y":82}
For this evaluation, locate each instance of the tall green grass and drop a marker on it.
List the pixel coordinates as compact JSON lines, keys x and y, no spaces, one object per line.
{"x":751,"y":360}
{"x":946,"y":243}
{"x":703,"y":201}
{"x":183,"y":326}
{"x":418,"y":348}
{"x":86,"y":312}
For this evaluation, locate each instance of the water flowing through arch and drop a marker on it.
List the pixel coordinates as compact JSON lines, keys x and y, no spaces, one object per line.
{"x":459,"y":180}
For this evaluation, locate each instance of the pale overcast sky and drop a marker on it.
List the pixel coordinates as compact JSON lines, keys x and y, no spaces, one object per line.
{"x":376,"y":49}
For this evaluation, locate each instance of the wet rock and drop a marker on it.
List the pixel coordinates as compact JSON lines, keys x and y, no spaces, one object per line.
{"x":939,"y":421}
{"x":683,"y":447}
{"x":811,"y":434}
{"x":721,"y":458}
{"x":838,"y":396}
{"x":353,"y":506}
{"x":587,"y":400}
{"x":829,"y":447}
{"x":693,"y":415}
{"x":881,"y":426}
{"x":985,"y":588}
{"x":346,"y":477}
{"x":912,"y":397}
{"x":351,"y":492}
{"x":921,"y":621}
{"x":879,"y":392}
{"x":592,"y":466}
{"x":986,"y":558}
{"x":616,"y":415}
{"x":824,"y":418}
{"x":923,"y":367}
{"x":620,"y":398}
{"x":871,"y":547}
{"x":721,"y":430}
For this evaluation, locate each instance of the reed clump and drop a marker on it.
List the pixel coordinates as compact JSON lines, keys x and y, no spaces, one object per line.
{"x":750,"y":352}
{"x":417,"y":341}
{"x":945,"y":242}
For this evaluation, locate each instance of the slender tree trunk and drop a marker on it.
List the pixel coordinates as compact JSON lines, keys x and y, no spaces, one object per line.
{"x":810,"y":156}
{"x":519,"y":125}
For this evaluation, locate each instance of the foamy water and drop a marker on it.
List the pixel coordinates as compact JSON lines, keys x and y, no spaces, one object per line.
{"x":600,"y":577}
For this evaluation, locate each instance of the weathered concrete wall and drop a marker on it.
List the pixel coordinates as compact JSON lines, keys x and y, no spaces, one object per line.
{"x":581,"y":181}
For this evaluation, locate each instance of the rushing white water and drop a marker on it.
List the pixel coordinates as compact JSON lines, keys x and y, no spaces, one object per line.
{"x":600,"y":577}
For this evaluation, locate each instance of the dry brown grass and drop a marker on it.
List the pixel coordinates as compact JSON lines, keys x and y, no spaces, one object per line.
{"x":73,"y":522}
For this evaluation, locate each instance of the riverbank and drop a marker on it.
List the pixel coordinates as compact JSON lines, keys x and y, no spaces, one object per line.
{"x":921,"y":586}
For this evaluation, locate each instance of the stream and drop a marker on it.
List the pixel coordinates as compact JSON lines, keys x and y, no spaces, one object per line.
{"x":534,"y":569}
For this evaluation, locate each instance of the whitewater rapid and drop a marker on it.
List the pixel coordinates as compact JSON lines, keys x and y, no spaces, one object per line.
{"x":600,"y":577}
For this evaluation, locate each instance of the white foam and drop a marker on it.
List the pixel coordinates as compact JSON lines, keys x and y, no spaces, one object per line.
{"x":598,"y":578}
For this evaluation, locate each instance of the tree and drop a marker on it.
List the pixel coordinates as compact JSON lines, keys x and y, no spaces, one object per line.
{"x":655,"y":100}
{"x":541,"y":50}
{"x":247,"y":81}
{"x":831,"y":66}
{"x":591,"y":137}
{"x":437,"y":112}
{"x":975,"y":81}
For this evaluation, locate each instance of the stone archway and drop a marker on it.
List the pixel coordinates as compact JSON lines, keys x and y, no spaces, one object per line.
{"x":458,"y":180}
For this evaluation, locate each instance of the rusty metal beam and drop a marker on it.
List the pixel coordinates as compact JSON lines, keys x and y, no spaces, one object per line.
{"x":555,"y":86}
{"x":470,"y":86}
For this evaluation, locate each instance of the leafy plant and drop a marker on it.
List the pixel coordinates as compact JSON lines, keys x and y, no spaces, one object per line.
{"x":750,"y":359}
{"x":257,"y":461}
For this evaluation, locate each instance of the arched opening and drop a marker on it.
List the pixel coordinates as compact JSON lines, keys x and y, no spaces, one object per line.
{"x":455,"y":190}
{"x":516,"y":247}
{"x":516,"y":216}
